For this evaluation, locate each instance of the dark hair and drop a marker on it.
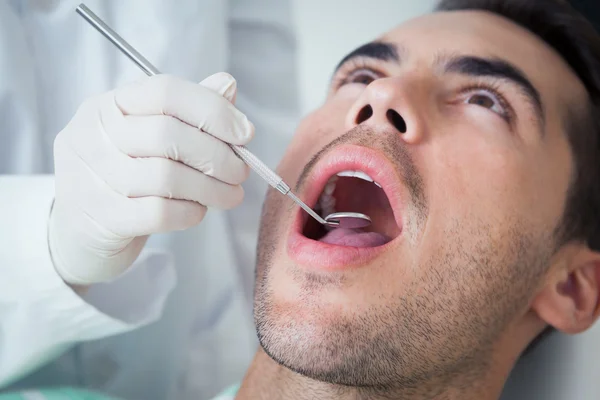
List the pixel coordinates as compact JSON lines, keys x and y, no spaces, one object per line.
{"x":574,"y":38}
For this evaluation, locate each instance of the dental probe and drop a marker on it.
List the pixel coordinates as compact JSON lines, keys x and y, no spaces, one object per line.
{"x":339,"y":220}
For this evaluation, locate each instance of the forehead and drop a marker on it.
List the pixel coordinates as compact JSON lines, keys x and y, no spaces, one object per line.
{"x":479,"y":33}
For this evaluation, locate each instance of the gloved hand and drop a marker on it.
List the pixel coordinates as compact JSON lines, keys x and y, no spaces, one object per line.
{"x":143,"y":159}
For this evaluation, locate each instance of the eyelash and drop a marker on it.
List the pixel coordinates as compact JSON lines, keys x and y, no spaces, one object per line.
{"x":356,"y":67}
{"x":492,"y":88}
{"x":362,"y":67}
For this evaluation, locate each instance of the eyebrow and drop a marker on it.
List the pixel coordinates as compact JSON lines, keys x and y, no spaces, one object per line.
{"x":378,"y":50}
{"x":497,"y":68}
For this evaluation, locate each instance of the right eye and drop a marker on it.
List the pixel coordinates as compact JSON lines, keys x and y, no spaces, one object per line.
{"x":360,"y":76}
{"x":357,"y":72}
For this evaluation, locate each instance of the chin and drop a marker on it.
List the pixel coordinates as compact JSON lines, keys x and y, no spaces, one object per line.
{"x":312,"y":343}
{"x":322,"y":336}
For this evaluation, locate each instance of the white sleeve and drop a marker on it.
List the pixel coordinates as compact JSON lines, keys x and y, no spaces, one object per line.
{"x":40,"y":316}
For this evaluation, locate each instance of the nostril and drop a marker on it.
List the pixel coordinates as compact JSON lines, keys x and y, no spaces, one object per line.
{"x":364,"y":114}
{"x":396,"y":120}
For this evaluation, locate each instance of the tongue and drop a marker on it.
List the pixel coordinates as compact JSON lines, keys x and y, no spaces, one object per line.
{"x":354,"y":238}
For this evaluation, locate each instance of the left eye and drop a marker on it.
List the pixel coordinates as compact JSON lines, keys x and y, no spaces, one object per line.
{"x":487,"y":100}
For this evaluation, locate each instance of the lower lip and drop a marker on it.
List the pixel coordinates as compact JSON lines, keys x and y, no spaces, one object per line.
{"x":322,"y":256}
{"x":317,"y":255}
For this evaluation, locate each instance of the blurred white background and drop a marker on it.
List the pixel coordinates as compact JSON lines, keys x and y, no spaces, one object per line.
{"x":328,"y":30}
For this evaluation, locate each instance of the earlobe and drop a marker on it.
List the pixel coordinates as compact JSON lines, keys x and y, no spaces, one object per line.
{"x":570,"y":301}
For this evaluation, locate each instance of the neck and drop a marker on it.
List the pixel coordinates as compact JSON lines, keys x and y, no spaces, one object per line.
{"x":266,"y":379}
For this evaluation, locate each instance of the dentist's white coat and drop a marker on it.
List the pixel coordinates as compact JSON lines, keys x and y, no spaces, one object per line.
{"x":196,"y":284}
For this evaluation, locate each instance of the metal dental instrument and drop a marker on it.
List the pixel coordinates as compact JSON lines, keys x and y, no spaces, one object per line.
{"x":339,"y":220}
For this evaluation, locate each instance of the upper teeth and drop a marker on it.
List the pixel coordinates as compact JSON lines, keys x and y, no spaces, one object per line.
{"x":330,"y":187}
{"x":327,"y":201}
{"x":358,"y":174}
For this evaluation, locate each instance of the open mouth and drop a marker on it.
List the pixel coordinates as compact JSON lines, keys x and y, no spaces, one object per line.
{"x":353,"y":191}
{"x":350,"y":178}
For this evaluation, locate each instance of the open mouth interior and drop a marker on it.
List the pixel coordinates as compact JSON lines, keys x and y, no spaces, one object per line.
{"x":354,"y":191}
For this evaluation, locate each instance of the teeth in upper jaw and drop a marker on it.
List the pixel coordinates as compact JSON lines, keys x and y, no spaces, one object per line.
{"x":330,"y":187}
{"x":360,"y":175}
{"x":356,"y":174}
{"x":327,"y":201}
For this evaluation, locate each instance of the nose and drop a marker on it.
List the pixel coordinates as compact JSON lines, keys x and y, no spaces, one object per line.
{"x":384,"y":104}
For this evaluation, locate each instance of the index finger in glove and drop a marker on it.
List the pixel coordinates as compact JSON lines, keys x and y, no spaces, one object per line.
{"x":189,"y":102}
{"x":167,"y":137}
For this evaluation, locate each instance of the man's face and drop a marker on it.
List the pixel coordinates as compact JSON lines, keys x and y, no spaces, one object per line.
{"x":459,"y":118}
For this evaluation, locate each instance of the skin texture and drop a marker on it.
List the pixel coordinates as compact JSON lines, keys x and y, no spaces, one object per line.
{"x":447,"y":308}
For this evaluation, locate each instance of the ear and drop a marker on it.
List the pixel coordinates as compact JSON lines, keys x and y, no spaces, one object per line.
{"x":570,"y":300}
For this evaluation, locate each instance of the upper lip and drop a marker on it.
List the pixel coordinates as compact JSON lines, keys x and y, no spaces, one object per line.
{"x":355,"y":158}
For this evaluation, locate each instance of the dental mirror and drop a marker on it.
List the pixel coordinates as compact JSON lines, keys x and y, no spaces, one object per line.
{"x":344,"y":220}
{"x":348,"y":220}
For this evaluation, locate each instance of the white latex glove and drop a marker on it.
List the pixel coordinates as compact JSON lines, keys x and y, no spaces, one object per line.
{"x":143,"y":159}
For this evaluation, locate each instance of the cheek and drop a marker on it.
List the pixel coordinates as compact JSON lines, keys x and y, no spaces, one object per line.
{"x":302,"y":146}
{"x":482,"y":181}
{"x":496,"y":186}
{"x":314,"y":132}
